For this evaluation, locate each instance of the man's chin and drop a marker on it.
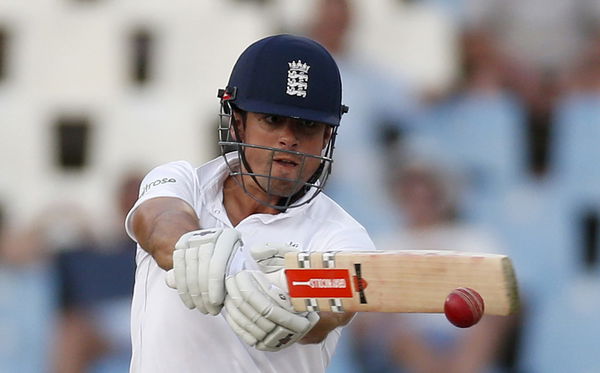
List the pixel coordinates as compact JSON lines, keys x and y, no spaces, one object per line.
{"x":283,"y":191}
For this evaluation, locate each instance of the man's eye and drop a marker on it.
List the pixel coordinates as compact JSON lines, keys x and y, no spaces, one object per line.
{"x":309,"y":123}
{"x":273,"y":119}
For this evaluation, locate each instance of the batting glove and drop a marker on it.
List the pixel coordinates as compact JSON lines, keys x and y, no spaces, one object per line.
{"x":271,"y":257}
{"x":262,"y":314}
{"x":199,"y":265}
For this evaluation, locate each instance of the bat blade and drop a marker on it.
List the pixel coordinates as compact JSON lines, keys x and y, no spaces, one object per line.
{"x":397,"y":281}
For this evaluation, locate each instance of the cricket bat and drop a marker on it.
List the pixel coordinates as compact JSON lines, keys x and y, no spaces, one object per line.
{"x":395,"y":281}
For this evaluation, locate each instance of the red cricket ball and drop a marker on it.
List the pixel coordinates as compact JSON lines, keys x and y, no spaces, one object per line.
{"x":464,"y":307}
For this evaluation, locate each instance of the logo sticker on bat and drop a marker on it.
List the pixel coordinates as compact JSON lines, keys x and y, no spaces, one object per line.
{"x":319,"y":283}
{"x":324,"y":283}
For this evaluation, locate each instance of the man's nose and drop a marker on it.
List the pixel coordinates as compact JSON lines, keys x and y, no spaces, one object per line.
{"x":288,"y":136}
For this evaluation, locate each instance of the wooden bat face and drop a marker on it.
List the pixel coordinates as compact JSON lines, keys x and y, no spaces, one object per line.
{"x":397,"y":281}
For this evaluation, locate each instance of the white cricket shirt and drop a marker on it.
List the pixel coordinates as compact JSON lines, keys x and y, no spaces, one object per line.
{"x":167,"y":337}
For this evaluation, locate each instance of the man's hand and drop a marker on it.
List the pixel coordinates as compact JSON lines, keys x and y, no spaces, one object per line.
{"x":199,"y":264}
{"x":270,"y":259}
{"x":261,"y":314}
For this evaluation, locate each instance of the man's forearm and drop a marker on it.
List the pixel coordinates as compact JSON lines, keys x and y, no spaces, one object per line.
{"x":158,"y":223}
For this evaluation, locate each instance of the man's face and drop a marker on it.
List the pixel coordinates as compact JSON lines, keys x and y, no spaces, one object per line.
{"x":286,"y":134}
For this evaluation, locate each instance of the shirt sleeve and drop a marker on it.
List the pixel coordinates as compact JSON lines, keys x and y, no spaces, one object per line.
{"x":175,"y":179}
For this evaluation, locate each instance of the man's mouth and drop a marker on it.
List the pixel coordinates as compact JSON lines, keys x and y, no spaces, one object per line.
{"x":286,"y":162}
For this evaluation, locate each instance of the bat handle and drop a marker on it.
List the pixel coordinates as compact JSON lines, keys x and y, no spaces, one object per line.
{"x":278,"y":279}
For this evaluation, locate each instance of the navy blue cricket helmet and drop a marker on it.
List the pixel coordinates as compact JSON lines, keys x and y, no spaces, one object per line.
{"x":290,"y":76}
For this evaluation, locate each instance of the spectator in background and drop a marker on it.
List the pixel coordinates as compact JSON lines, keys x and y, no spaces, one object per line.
{"x":382,"y":109}
{"x":540,"y":42}
{"x":26,"y":299}
{"x":96,"y":285}
{"x":480,"y":124}
{"x":426,"y":192}
{"x":545,"y":37}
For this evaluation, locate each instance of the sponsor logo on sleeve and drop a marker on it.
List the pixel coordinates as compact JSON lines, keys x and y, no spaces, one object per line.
{"x":157,"y":182}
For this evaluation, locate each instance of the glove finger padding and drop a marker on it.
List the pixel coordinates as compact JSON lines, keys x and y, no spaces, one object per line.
{"x":229,"y":242}
{"x":235,"y":299}
{"x":241,"y":332}
{"x":248,"y":326}
{"x":179,"y":269}
{"x":269,"y":300}
{"x":255,"y":301}
{"x":199,"y":264}
{"x":205,"y":253}
{"x":282,"y":337}
{"x":271,"y":257}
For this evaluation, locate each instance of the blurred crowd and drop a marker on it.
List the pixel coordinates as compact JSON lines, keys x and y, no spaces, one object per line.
{"x":504,"y":161}
{"x":65,"y":293}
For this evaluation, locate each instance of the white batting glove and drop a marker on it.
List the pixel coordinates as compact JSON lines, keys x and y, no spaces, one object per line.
{"x":271,"y":257}
{"x":199,"y":264}
{"x":262,"y":314}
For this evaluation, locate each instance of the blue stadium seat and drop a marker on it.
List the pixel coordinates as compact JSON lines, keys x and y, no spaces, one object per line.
{"x":575,"y":149}
{"x":485,"y":136}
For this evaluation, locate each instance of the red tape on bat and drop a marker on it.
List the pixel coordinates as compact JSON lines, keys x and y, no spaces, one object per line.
{"x":319,"y":283}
